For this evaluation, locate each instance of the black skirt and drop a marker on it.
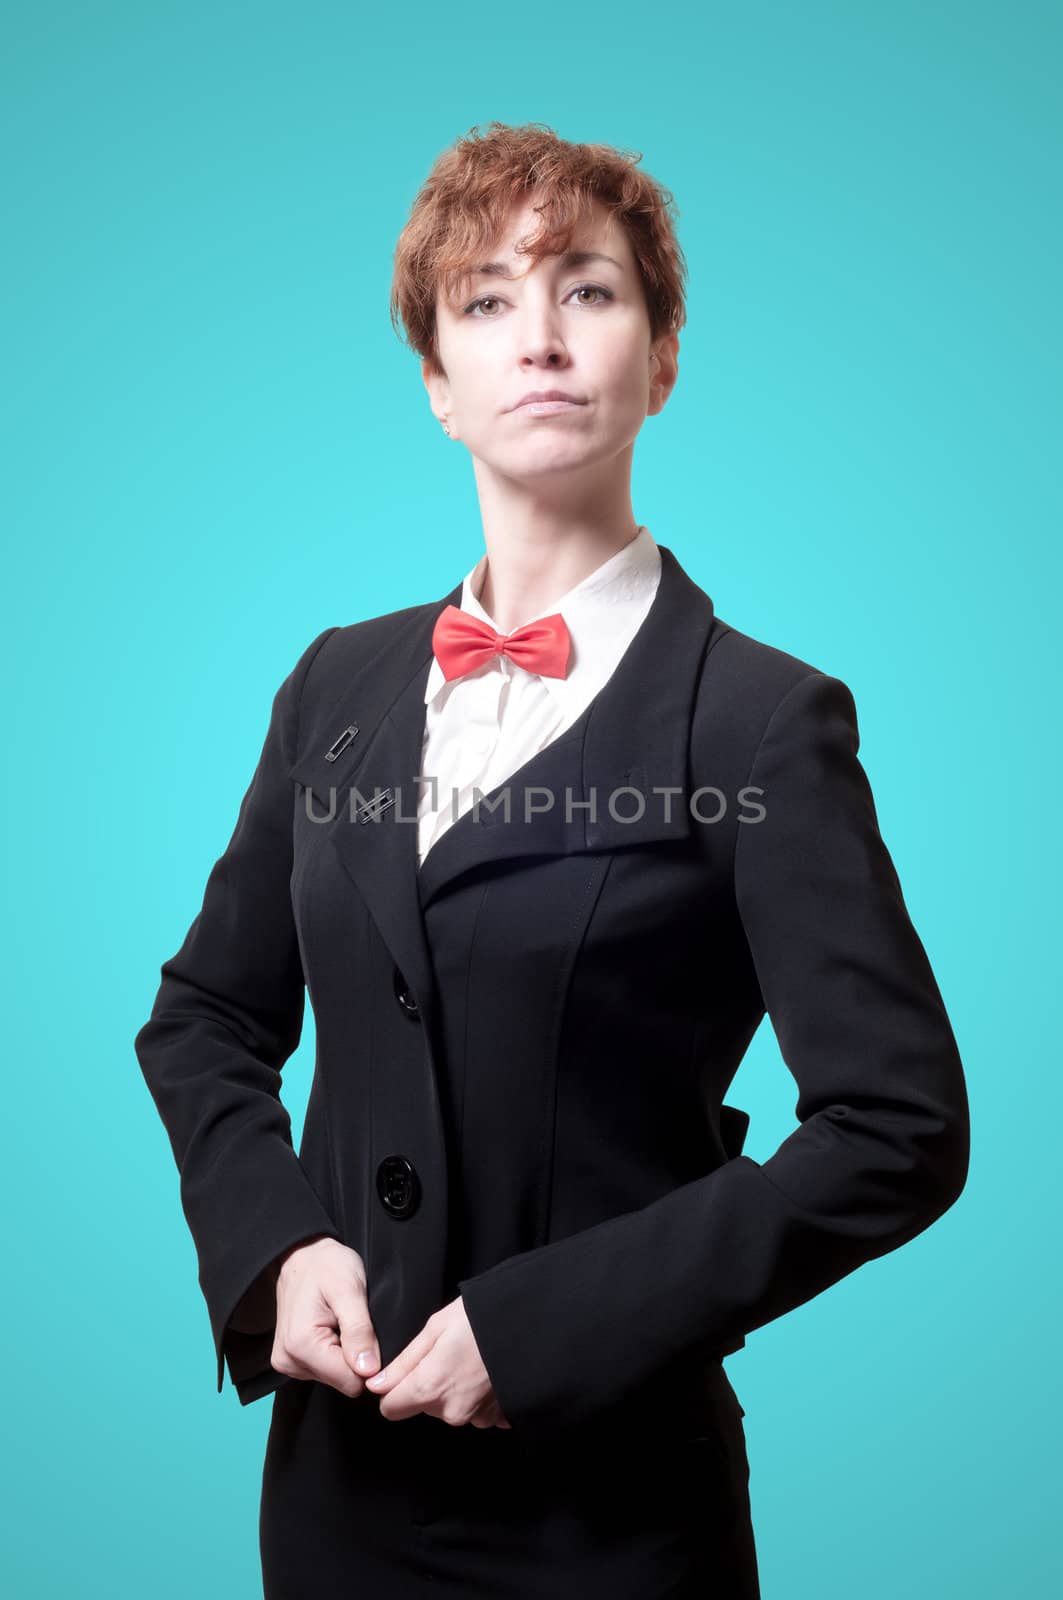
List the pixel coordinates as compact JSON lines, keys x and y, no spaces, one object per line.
{"x":355,"y":1507}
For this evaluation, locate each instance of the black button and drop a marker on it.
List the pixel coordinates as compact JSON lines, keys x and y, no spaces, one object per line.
{"x":398,"y":1186}
{"x":404,"y":995}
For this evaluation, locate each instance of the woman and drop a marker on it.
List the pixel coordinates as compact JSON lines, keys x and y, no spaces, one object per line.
{"x":492,"y":1294}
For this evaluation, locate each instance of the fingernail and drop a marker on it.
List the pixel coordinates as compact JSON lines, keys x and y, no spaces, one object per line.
{"x":365,"y":1359}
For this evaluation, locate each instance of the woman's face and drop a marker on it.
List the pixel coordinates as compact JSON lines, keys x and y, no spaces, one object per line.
{"x":581,"y":327}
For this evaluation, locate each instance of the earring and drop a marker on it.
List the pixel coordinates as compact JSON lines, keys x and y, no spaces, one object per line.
{"x":446,"y":427}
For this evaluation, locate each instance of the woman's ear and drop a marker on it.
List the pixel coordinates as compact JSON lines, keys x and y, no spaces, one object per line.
{"x":438,"y":389}
{"x":664,"y":370}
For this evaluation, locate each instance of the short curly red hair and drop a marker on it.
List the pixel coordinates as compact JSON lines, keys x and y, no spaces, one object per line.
{"x":462,"y":206}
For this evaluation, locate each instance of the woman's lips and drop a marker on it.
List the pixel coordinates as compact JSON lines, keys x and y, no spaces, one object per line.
{"x":549,"y":408}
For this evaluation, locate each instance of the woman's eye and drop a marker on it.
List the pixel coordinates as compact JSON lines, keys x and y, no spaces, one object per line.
{"x":581,"y":288}
{"x":592,"y":288}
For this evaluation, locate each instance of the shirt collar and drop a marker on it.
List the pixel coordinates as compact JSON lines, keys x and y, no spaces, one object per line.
{"x":600,"y":612}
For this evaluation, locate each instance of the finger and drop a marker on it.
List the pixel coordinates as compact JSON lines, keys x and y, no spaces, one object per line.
{"x":411,"y":1395}
{"x":284,"y":1362}
{"x":284,"y":1357}
{"x":404,"y":1363}
{"x":489,"y":1415}
{"x":320,"y":1353}
{"x":358,"y":1339}
{"x":319,"y":1366}
{"x":484,"y":1415}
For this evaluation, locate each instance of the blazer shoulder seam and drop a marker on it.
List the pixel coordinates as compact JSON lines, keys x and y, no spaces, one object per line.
{"x":719,"y":632}
{"x":311,"y":657}
{"x":814,"y":672}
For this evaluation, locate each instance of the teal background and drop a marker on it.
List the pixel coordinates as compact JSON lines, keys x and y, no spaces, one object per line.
{"x":215,"y":447}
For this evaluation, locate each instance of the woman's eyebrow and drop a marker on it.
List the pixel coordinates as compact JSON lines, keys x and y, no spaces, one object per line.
{"x":571,"y":258}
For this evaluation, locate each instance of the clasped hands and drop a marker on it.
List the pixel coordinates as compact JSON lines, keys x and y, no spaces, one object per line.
{"x":321,"y":1288}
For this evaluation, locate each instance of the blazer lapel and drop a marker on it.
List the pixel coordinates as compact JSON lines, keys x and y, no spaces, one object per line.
{"x":629,"y":744}
{"x":599,"y":786}
{"x":359,"y":763}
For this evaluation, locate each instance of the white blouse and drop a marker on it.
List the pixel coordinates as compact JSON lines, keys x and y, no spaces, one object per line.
{"x":480,"y":728}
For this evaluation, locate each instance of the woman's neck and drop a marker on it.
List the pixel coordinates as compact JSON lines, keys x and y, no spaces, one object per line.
{"x":519,"y":582}
{"x":544,"y":535}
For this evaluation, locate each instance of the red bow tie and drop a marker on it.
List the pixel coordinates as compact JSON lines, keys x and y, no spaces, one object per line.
{"x":463,"y":642}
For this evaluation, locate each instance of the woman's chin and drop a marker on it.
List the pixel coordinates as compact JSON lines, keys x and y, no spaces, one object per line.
{"x":547,"y":459}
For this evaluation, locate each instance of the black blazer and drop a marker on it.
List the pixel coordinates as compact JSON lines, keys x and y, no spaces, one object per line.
{"x":629,"y":951}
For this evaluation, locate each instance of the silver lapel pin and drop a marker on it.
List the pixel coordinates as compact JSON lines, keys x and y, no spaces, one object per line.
{"x":372,"y":808}
{"x":339,"y":746}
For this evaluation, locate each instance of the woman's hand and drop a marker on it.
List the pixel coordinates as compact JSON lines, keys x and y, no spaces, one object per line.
{"x":440,"y":1372}
{"x":321,"y":1288}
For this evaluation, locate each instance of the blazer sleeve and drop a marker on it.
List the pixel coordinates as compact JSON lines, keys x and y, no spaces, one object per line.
{"x":227,"y":1015}
{"x":882,"y":1146}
